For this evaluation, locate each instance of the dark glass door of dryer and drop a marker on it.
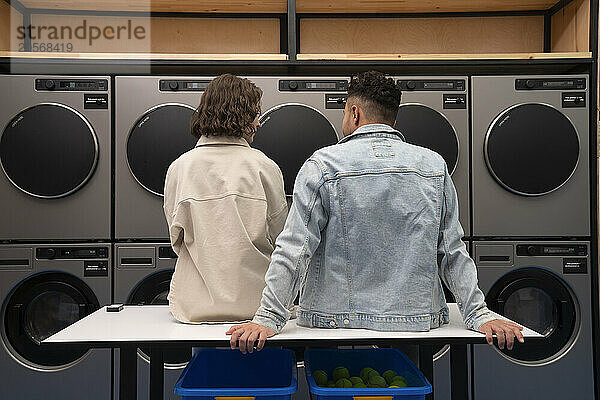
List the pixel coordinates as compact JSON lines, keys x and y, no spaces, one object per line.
{"x":531,"y":149}
{"x":39,"y":307}
{"x":541,"y":301}
{"x":289,"y":134}
{"x":153,"y":290}
{"x":426,"y":127}
{"x":49,"y":150}
{"x":158,"y":137}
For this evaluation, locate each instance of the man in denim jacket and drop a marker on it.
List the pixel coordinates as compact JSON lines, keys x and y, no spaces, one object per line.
{"x":372,"y":232}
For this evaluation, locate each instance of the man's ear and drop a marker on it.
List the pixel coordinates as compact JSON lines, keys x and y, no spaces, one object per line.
{"x":355,"y":114}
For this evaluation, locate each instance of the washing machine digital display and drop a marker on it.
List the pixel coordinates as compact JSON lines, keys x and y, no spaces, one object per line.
{"x":289,"y":134}
{"x":531,"y":149}
{"x":158,"y":137}
{"x":426,"y":127}
{"x":49,"y":150}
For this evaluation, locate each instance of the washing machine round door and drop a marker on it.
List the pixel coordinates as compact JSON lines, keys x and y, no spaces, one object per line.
{"x":49,"y":150}
{"x":289,"y":134}
{"x":154,"y":289}
{"x":158,"y":137}
{"x":540,"y":300}
{"x":426,"y":127}
{"x":531,"y":149}
{"x":39,"y":307}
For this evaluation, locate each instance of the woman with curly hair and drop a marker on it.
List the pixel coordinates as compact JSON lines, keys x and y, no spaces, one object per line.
{"x":225,"y":206}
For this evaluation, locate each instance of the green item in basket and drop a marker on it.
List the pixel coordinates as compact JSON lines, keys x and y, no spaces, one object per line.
{"x":398,"y":384}
{"x":331,"y":384}
{"x":398,"y":378}
{"x":371,"y":374}
{"x":389,"y":375}
{"x":339,"y":373}
{"x":355,"y":380}
{"x":377,"y":380}
{"x":320,"y":377}
{"x":359,"y":385}
{"x":364,"y":373}
{"x":343,"y":383}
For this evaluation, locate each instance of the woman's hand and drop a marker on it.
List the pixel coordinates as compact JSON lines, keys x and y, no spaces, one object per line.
{"x":248,"y":333}
{"x":505,"y":331}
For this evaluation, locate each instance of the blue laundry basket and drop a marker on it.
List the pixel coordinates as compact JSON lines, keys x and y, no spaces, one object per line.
{"x":355,"y":360}
{"x":269,"y":374}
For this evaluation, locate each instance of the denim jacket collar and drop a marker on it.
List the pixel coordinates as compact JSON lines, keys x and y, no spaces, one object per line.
{"x":372,"y":128}
{"x":221,"y":140}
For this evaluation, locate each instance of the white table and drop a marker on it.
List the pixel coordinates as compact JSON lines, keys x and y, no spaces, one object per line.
{"x":154,"y":327}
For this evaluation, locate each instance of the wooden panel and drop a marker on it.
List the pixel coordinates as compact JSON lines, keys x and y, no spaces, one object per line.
{"x":418,"y":6}
{"x":571,"y":27}
{"x":200,"y":6}
{"x":422,"y":35}
{"x":492,"y":56}
{"x":10,"y":20}
{"x":161,"y":35}
{"x":145,"y":56}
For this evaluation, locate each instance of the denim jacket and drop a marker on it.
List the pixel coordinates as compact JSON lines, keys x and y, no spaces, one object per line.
{"x":372,"y":230}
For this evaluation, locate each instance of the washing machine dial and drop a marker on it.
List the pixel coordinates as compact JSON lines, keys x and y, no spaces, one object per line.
{"x":293,"y":85}
{"x":49,"y":84}
{"x":410,"y":85}
{"x":173,"y":85}
{"x":531,"y":250}
{"x":530,"y":83}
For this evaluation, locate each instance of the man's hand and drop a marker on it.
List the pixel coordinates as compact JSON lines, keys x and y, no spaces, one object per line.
{"x":247,"y":334}
{"x":505,"y":331}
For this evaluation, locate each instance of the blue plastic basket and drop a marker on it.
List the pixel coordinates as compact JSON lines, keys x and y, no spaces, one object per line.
{"x":355,"y":360}
{"x":269,"y":374}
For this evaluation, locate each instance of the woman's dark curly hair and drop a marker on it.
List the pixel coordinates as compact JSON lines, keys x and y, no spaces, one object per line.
{"x":228,"y":107}
{"x":380,"y":95}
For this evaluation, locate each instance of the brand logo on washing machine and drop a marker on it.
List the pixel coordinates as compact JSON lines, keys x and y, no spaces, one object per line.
{"x":17,"y":121}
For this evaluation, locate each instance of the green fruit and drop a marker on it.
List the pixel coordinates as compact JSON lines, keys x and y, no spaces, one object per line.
{"x":343,"y":383}
{"x":399,"y":384}
{"x":398,"y":378}
{"x":364,"y":373}
{"x":320,"y":377}
{"x":355,"y":380}
{"x":371,"y":374}
{"x":359,"y":385}
{"x":389,"y":375}
{"x":377,"y":380}
{"x":339,"y":373}
{"x":331,"y":384}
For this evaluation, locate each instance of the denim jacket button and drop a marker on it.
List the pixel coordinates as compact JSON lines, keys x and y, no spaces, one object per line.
{"x":332,"y":323}
{"x":346,"y":321}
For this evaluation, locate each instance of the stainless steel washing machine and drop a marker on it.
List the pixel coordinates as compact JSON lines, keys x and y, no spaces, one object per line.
{"x":142,"y":275}
{"x":434,"y":114}
{"x":530,"y":163}
{"x":547,"y":287}
{"x":300,"y":116}
{"x":152,"y":129}
{"x":55,"y":154}
{"x":43,"y":289}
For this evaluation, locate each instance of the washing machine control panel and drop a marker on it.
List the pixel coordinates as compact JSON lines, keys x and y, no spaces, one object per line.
{"x":551,"y":250}
{"x":71,"y":85}
{"x":317,"y":85}
{"x":51,"y":253}
{"x":550,"y":84}
{"x":433,"y":85}
{"x":183,"y":85}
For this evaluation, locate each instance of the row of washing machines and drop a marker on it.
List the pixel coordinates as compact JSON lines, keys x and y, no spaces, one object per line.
{"x":83,"y":166}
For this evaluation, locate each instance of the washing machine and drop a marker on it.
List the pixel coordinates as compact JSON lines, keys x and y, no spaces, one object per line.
{"x":547,"y":287}
{"x":55,"y":154}
{"x":300,"y":115}
{"x":530,"y":164}
{"x":152,"y":129}
{"x":434,"y":114}
{"x":142,"y":275}
{"x":43,"y":289}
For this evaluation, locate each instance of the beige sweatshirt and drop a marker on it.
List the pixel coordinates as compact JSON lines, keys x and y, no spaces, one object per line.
{"x":225,"y":206}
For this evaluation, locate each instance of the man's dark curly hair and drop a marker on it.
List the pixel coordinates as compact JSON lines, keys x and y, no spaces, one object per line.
{"x":228,"y":107}
{"x":379,"y":95}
